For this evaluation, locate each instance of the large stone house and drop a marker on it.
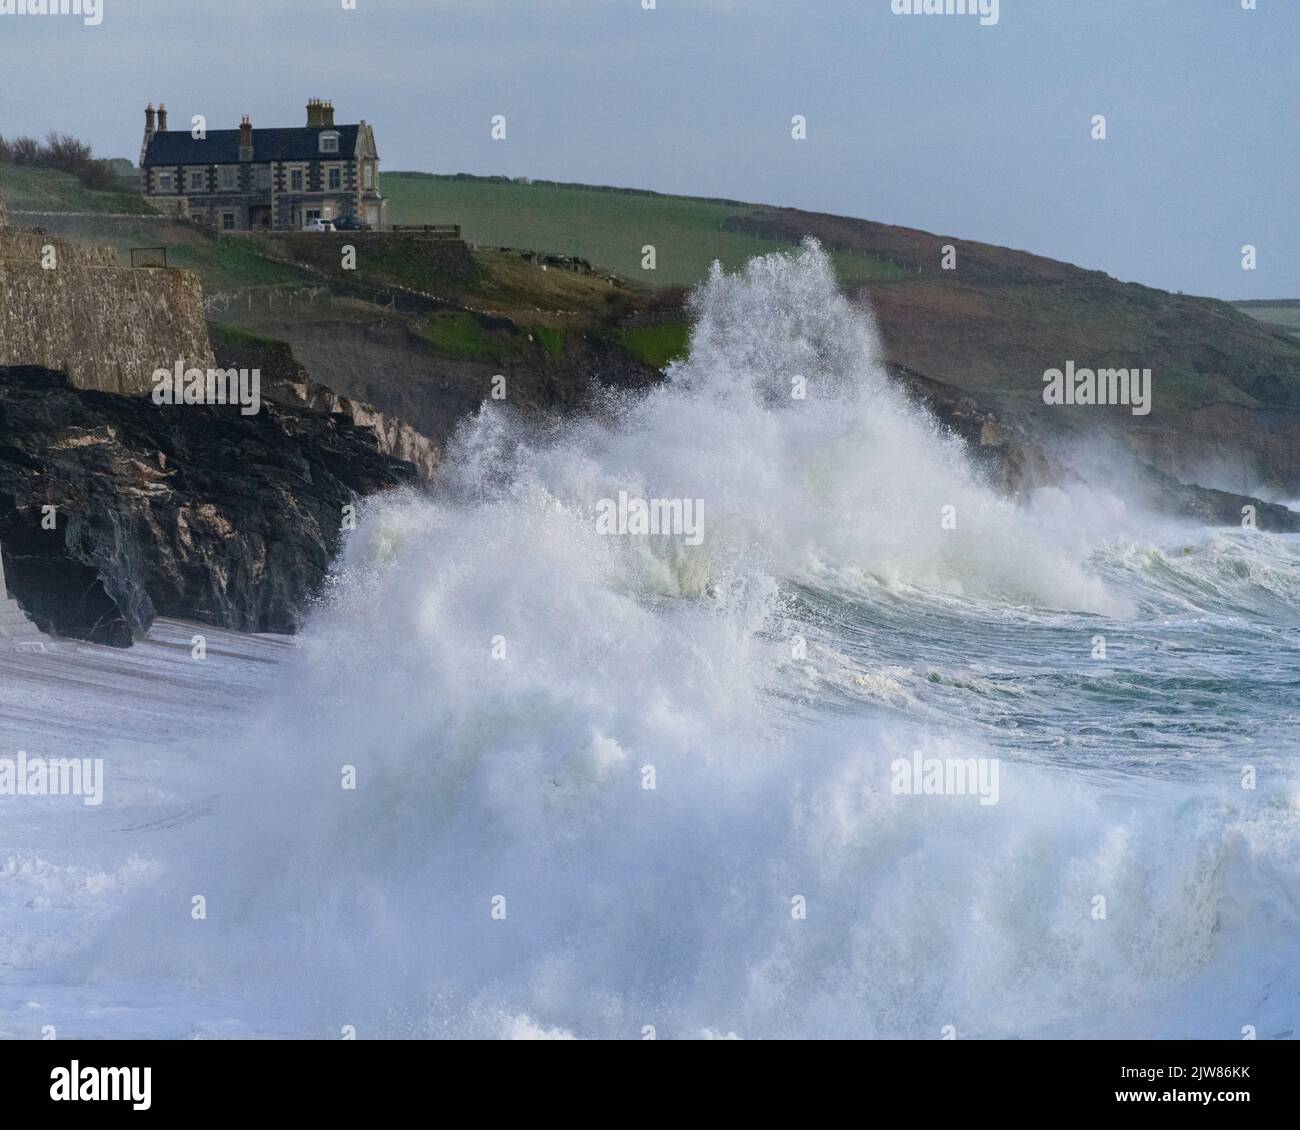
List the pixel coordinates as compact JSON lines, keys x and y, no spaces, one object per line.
{"x":262,"y":179}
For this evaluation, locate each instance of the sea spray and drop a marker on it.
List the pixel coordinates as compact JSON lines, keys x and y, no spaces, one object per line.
{"x":525,"y":779}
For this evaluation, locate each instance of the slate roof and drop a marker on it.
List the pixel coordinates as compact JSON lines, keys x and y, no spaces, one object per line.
{"x":221,"y":146}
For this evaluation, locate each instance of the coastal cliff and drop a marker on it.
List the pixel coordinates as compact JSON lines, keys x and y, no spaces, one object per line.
{"x":114,"y":510}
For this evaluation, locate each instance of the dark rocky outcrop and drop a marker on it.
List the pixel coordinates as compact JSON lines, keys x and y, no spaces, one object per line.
{"x":1014,"y":461}
{"x":190,"y":511}
{"x":1211,"y":507}
{"x":287,"y":382}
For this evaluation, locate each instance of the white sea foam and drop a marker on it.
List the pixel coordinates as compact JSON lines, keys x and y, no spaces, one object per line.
{"x":505,"y":681}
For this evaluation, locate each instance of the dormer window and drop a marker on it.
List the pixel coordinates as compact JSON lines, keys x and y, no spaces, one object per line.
{"x":329,"y":142}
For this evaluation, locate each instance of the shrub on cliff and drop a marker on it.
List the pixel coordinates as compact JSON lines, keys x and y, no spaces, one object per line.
{"x":26,"y":151}
{"x":98,"y":175}
{"x":62,"y":152}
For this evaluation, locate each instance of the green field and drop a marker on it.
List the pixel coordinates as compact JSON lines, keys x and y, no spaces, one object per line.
{"x":606,"y":227}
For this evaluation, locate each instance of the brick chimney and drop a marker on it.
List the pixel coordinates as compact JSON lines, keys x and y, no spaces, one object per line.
{"x":150,"y":128}
{"x":162,"y":118}
{"x":327,"y":115}
{"x":246,"y":139}
{"x":315,"y":113}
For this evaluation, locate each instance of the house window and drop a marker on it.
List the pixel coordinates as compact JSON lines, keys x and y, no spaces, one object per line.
{"x":312,"y":214}
{"x":165,"y":183}
{"x":227,"y":221}
{"x":198,"y":182}
{"x":329,"y":143}
{"x":295,"y":180}
{"x":229,"y":180}
{"x":336,"y":179}
{"x":370,"y":176}
{"x":263,"y":177}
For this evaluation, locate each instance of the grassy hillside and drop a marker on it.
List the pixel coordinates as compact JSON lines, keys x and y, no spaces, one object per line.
{"x":1225,"y":385}
{"x":608,"y":227}
{"x":41,"y":190}
{"x":1002,"y":317}
{"x":221,"y":264}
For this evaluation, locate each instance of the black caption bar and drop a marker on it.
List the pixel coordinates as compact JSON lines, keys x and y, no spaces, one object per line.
{"x":144,"y":1079}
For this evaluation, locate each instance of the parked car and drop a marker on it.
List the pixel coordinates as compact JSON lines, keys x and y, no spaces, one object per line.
{"x":351,"y":223}
{"x":319,"y":225}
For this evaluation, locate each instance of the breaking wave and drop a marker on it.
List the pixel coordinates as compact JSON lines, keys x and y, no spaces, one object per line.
{"x":506,"y":682}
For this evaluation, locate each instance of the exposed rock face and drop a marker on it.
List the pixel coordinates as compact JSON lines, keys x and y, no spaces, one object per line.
{"x":106,"y":326}
{"x":16,"y":631}
{"x":1212,"y":507}
{"x":1015,"y":462}
{"x":389,"y":370}
{"x":1012,"y":461}
{"x":190,"y":511}
{"x":286,"y":381}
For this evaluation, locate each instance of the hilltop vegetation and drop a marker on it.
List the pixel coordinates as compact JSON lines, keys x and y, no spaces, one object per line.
{"x":1226,"y":386}
{"x":35,"y":189}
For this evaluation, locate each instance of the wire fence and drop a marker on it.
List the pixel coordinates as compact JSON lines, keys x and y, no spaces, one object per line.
{"x":285,"y":301}
{"x":284,"y":298}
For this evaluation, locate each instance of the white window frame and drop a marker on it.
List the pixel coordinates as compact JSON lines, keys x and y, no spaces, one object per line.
{"x":233,"y":217}
{"x":166,"y":182}
{"x":189,"y":180}
{"x":368,"y":176}
{"x":329,"y":142}
{"x":229,"y":178}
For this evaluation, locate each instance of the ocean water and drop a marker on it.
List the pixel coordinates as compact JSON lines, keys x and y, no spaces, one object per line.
{"x":608,"y":785}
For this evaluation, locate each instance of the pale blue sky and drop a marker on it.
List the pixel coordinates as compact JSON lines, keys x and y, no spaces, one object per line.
{"x":930,"y":121}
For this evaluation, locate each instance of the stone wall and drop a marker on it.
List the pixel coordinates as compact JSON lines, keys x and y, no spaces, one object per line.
{"x":414,"y":260}
{"x":107,"y":326}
